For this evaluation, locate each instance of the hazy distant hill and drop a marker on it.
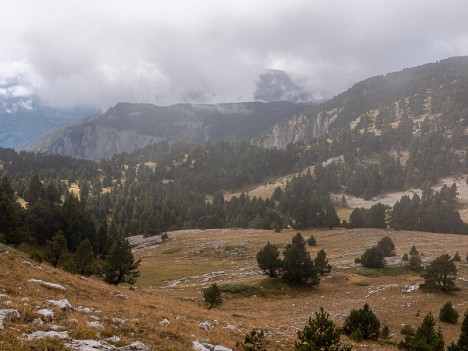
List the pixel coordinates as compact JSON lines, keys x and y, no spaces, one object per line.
{"x":25,"y":121}
{"x":127,"y":127}
{"x":431,"y":91}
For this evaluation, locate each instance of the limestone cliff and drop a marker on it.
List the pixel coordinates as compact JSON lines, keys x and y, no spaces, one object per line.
{"x":97,"y":142}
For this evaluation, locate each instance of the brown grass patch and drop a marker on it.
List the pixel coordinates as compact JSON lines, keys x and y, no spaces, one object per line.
{"x":267,"y":304}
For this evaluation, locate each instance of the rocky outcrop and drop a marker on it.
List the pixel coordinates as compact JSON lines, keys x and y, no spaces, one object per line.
{"x":300,"y":128}
{"x":97,"y":142}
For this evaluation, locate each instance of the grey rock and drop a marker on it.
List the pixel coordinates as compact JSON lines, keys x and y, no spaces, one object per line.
{"x":165,"y":323}
{"x":206,"y":326}
{"x":198,"y":346}
{"x":62,"y":304}
{"x":46,"y":315}
{"x":134,"y":346}
{"x":119,"y":320}
{"x":113,"y":339}
{"x":48,"y":334}
{"x":221,"y":348}
{"x":90,"y":345}
{"x":47,"y":284}
{"x":96,"y":325}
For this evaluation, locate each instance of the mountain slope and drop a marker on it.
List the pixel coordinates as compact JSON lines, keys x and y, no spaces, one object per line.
{"x":127,"y":127}
{"x":26,"y":122}
{"x":435,"y":90}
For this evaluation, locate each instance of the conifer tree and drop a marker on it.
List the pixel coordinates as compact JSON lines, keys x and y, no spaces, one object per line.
{"x":56,"y":249}
{"x":440,"y":274}
{"x":425,"y":337}
{"x":268,"y":259}
{"x":321,"y":263}
{"x":297,"y":264}
{"x":212,"y":296}
{"x":320,"y":334}
{"x":387,"y":246}
{"x":364,"y":321}
{"x":120,"y":265}
{"x":83,"y":257}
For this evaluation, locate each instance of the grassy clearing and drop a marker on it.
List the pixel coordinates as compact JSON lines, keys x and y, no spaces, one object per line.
{"x":153,"y":273}
{"x":241,"y":289}
{"x":172,"y":250}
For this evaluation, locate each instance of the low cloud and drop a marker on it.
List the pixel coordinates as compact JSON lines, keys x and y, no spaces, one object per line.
{"x":98,"y":53}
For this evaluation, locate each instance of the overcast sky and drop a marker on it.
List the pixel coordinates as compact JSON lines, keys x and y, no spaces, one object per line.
{"x":100,"y":52}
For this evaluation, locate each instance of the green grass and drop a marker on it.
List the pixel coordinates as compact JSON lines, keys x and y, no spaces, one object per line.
{"x":386,"y":271}
{"x":172,"y":250}
{"x":242,"y":289}
{"x":273,"y":283}
{"x":156,"y":273}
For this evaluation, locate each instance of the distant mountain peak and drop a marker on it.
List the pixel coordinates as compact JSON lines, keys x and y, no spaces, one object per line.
{"x":277,"y":85}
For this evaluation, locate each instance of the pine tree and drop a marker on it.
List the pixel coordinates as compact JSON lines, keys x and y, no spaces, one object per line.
{"x":448,"y":313}
{"x":253,"y":341}
{"x":440,"y":274}
{"x":212,"y":296}
{"x":321,"y":263}
{"x":297,"y":264}
{"x":120,"y":265}
{"x":268,"y":259}
{"x":425,"y":337}
{"x":387,"y":246}
{"x":373,"y":258}
{"x":413,"y":251}
{"x":320,"y":334}
{"x":363,"y":320}
{"x":83,"y":257}
{"x":57,"y":249}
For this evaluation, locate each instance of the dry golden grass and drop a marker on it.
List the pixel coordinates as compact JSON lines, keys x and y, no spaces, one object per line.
{"x":281,"y":311}
{"x":284,"y":311}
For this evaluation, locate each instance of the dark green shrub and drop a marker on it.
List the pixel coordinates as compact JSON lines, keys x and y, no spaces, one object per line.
{"x":365,"y":320}
{"x":373,"y":258}
{"x":456,"y":257}
{"x":311,"y":241}
{"x":385,"y":332}
{"x":37,"y":256}
{"x":212,"y":296}
{"x":253,"y":341}
{"x":387,"y":246}
{"x":405,"y":257}
{"x":448,"y":313}
{"x":407,"y":330}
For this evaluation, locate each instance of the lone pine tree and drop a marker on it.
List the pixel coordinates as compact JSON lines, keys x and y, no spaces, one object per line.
{"x":297,"y":264}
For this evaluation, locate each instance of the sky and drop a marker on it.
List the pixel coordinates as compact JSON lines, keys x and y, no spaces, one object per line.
{"x":97,"y":53}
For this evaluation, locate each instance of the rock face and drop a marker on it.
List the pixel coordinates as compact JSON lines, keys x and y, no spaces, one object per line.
{"x":97,"y":142}
{"x":127,"y":127}
{"x":300,"y":128}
